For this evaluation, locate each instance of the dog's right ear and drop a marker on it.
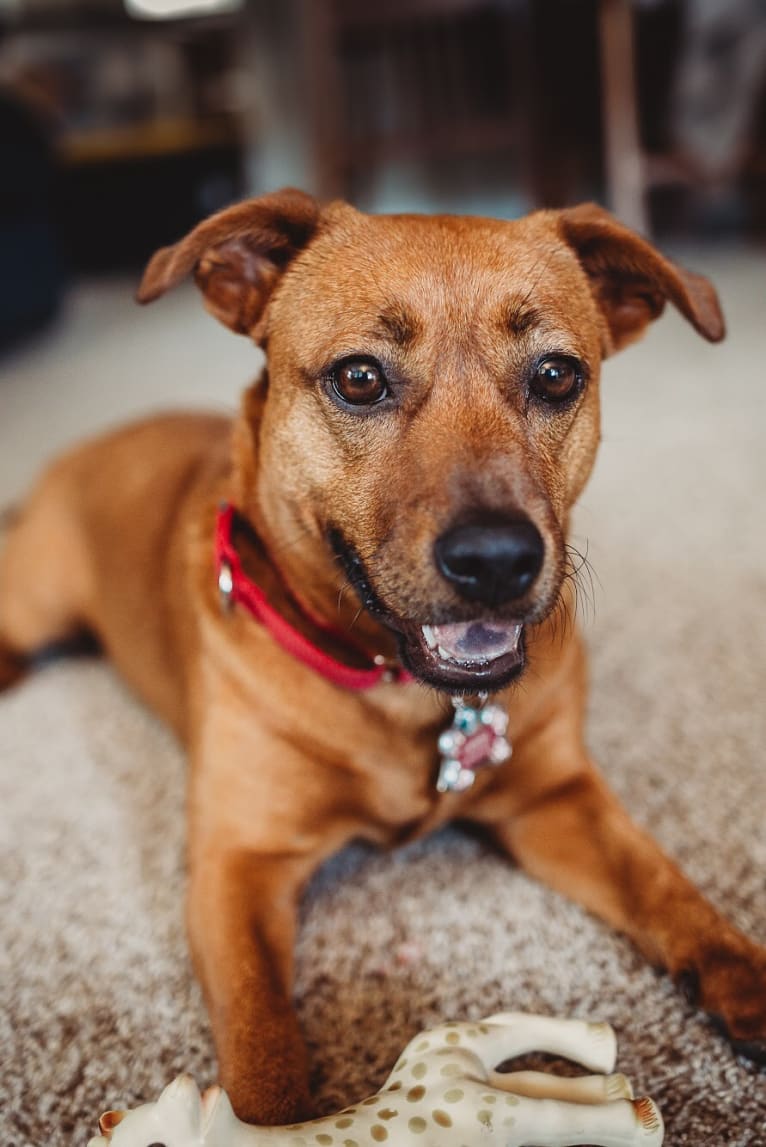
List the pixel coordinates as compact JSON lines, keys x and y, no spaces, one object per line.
{"x":237,"y":256}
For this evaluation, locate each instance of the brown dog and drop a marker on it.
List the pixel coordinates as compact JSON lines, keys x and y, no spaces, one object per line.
{"x":404,"y":469}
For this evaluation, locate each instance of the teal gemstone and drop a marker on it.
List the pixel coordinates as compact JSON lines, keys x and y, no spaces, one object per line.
{"x":466,"y":720}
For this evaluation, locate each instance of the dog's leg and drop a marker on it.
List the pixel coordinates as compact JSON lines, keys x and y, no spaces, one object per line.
{"x":241,"y":917}
{"x":261,"y":820}
{"x":43,"y":579}
{"x":556,"y":816}
{"x":12,"y":663}
{"x":577,"y":838}
{"x":12,"y":666}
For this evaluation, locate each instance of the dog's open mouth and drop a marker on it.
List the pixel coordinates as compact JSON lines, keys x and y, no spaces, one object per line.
{"x":466,"y":655}
{"x":472,"y":642}
{"x":474,"y":656}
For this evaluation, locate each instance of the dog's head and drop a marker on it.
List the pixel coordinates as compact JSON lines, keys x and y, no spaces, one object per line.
{"x":430,"y":411}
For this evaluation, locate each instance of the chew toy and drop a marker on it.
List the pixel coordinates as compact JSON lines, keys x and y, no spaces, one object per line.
{"x":444,"y":1090}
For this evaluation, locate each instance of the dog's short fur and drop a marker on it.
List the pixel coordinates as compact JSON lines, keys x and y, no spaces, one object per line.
{"x":286,"y":766}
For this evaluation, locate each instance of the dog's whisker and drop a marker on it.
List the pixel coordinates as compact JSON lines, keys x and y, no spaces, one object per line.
{"x":563,"y":620}
{"x":356,"y":616}
{"x":580,"y":574}
{"x":346,"y":585}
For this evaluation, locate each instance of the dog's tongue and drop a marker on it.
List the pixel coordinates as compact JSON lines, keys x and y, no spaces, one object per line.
{"x":472,"y":641}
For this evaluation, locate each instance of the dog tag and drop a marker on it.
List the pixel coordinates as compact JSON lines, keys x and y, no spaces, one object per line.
{"x":475,"y":738}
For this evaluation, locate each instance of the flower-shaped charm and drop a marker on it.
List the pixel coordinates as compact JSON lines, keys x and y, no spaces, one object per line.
{"x":475,"y":738}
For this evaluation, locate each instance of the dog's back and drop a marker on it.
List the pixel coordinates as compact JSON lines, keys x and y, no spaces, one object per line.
{"x":91,"y":548}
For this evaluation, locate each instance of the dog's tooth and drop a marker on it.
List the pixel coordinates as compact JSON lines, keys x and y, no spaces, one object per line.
{"x":445,"y":654}
{"x":429,"y":635}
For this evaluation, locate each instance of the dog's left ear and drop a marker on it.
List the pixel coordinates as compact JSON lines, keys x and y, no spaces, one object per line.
{"x":237,"y":256}
{"x":632,"y":281}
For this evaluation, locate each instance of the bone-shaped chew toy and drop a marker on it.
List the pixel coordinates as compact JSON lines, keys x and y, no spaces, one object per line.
{"x":443,"y":1092}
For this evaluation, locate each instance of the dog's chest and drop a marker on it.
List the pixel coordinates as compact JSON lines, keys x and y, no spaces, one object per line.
{"x":398,"y":793}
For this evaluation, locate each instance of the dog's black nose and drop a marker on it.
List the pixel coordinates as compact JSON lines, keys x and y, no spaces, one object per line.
{"x":491,"y":562}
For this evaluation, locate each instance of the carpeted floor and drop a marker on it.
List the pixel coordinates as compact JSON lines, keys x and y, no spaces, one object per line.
{"x":98,"y":1006}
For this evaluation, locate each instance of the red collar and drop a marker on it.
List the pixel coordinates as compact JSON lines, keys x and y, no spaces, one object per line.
{"x":237,"y":588}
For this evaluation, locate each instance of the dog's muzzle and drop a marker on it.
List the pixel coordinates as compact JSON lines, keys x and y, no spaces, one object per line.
{"x":480,"y":654}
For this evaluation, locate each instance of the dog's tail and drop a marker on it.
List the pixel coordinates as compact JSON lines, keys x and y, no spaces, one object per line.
{"x":13,"y":666}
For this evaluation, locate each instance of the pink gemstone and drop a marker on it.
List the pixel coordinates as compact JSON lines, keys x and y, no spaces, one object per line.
{"x":477,"y":749}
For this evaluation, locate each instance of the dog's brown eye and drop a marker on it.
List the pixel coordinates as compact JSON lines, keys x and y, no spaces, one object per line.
{"x":360,"y":383}
{"x":556,"y":379}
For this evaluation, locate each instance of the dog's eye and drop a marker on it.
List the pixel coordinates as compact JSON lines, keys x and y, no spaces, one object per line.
{"x":556,"y":379}
{"x":360,"y":383}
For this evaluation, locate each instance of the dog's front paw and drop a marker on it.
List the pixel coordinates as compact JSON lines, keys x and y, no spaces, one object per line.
{"x":729,"y":982}
{"x":268,"y":1102}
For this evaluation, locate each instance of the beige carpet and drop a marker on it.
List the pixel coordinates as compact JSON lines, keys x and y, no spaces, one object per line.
{"x":97,"y":1002}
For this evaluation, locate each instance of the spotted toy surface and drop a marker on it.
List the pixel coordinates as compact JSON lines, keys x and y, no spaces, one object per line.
{"x":444,"y":1091}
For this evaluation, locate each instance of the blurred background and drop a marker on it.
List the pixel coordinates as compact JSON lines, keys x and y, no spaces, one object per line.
{"x":123,"y":122}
